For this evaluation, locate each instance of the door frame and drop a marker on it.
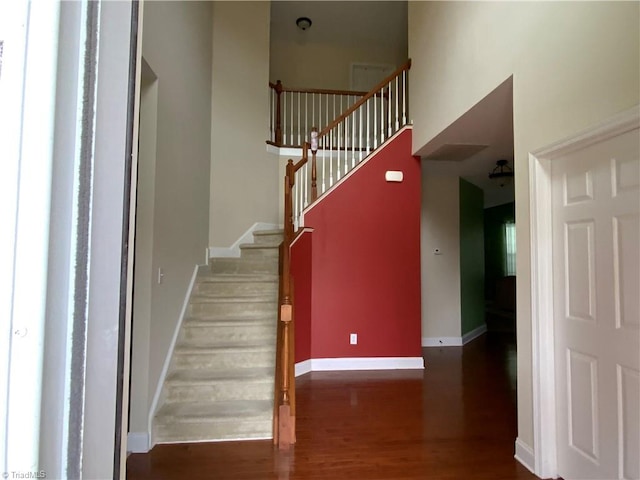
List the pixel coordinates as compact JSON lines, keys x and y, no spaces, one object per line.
{"x":542,"y":309}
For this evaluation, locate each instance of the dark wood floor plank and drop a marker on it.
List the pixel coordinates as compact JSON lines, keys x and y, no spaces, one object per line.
{"x":455,"y":420}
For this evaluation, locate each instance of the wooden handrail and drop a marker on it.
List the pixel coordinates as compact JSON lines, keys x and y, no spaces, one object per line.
{"x":360,"y":102}
{"x":320,"y":91}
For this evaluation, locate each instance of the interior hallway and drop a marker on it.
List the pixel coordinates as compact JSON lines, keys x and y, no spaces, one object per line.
{"x":456,"y":420}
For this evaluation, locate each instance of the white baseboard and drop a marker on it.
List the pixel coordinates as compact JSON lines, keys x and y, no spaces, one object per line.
{"x":246,"y":237}
{"x":441,"y":341}
{"x":303,"y":367}
{"x":473,"y":334}
{"x":167,"y":360}
{"x":138,"y":442}
{"x":525,"y":455}
{"x":359,"y":363}
{"x":454,"y":341}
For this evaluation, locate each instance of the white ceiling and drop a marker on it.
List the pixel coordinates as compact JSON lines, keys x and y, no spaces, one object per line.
{"x":489,"y":123}
{"x":345,"y":23}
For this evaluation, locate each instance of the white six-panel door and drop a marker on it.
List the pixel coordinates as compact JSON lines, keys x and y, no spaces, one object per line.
{"x":596,"y":284}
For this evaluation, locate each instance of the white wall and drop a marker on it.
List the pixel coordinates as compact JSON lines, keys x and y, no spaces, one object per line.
{"x":326,"y":65}
{"x":144,"y":277}
{"x":573,"y":65}
{"x":177,"y":47}
{"x":440,"y":228}
{"x":244,"y":178}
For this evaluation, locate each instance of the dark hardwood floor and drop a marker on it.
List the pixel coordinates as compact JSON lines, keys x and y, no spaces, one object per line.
{"x":455,"y":420}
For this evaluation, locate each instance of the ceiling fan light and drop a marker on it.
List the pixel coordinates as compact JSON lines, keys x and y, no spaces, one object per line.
{"x":502,"y":174}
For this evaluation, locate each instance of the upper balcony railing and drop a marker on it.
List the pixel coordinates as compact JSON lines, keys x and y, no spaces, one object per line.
{"x":294,"y":111}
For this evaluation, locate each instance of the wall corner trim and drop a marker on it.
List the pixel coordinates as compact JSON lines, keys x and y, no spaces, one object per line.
{"x":359,"y":363}
{"x":137,"y":442}
{"x":525,"y":455}
{"x":473,"y":334}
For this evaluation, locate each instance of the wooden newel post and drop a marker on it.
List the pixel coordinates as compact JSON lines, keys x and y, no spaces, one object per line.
{"x":314,"y":171}
{"x":288,"y":206}
{"x":285,"y":424}
{"x":278,"y":90}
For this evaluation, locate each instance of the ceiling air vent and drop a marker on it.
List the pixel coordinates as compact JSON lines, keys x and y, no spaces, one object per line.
{"x":455,"y":152}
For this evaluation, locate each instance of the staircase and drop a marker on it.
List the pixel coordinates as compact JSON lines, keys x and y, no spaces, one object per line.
{"x":220,"y":384}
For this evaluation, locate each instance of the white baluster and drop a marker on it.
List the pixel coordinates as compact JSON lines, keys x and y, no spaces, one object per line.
{"x":341,"y":112}
{"x":313,"y":110}
{"x":327,"y":111}
{"x":299,"y":124}
{"x":336,"y":139}
{"x":330,"y":157}
{"x":284,"y":118}
{"x":333,"y":116}
{"x":291,"y":139}
{"x":405,"y":74}
{"x":375,"y":122}
{"x":397,"y":111}
{"x":346,"y":147}
{"x":300,"y":192}
{"x":324,"y":175}
{"x":390,"y":96}
{"x":382,"y":116}
{"x":306,"y":185}
{"x":353,"y":137}
{"x":306,"y":113}
{"x":295,"y":204}
{"x":360,"y":109}
{"x":368,"y":129}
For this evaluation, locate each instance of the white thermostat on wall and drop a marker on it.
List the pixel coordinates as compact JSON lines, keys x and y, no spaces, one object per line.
{"x":393,"y":176}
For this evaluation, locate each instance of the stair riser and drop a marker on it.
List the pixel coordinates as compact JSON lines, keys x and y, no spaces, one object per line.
{"x":221,"y":391}
{"x":232,"y":309}
{"x":228,"y":289}
{"x":240,"y":299}
{"x":216,"y":334}
{"x":244,"y":265}
{"x":259,"y":253}
{"x":219,"y":360}
{"x":202,"y":431}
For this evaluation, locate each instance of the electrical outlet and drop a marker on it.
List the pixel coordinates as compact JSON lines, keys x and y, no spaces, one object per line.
{"x":353,"y":339}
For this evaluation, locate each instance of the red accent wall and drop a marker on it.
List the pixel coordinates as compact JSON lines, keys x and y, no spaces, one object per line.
{"x":365,"y":263}
{"x":301,"y":271}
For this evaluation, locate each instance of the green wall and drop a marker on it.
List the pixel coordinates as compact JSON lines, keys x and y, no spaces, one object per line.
{"x":471,"y":256}
{"x":494,"y":251}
